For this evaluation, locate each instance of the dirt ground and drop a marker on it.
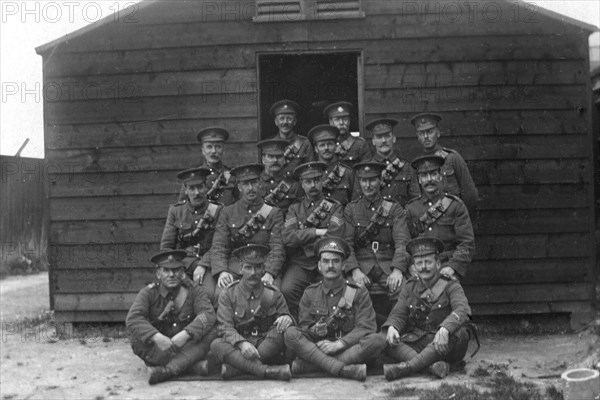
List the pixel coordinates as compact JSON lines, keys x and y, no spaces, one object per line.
{"x":36,"y":365}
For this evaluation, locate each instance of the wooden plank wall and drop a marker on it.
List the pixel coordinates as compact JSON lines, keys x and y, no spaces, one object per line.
{"x":24,"y":204}
{"x":511,"y":86}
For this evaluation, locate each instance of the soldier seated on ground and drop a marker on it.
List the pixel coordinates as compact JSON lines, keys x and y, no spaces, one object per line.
{"x":171,"y":322}
{"x":337,"y":327}
{"x":252,"y":316}
{"x":426,"y":328}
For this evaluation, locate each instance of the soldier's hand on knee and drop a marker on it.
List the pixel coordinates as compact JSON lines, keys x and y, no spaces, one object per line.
{"x":360,"y":278}
{"x":267,"y":278}
{"x":199,"y":274}
{"x":249,"y":351}
{"x":394,"y":280}
{"x":225,"y":278}
{"x":440,"y":341}
{"x":164,"y":343}
{"x":180,"y":339}
{"x":448,"y":272}
{"x":393,"y":336}
{"x":282,"y":323}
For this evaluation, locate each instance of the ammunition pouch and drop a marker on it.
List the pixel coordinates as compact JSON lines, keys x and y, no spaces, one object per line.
{"x":318,"y":214}
{"x":391,"y":171}
{"x":217,"y":187}
{"x":291,"y":152}
{"x":418,"y":312}
{"x":277,"y":194}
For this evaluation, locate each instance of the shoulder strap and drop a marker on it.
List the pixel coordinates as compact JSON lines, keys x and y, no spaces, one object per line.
{"x":348,"y":298}
{"x":387,"y":206}
{"x":264,"y":211}
{"x":180,"y":298}
{"x":348,"y":142}
{"x":267,"y":299}
{"x":227,"y":176}
{"x":211,"y":210}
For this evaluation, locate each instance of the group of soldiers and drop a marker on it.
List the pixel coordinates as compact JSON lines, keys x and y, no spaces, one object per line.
{"x":324,"y":256}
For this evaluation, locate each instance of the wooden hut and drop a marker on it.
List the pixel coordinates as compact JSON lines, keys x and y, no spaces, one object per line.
{"x":125,"y":96}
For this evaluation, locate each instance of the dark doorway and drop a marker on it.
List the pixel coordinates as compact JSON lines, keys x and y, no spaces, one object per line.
{"x":311,"y":80}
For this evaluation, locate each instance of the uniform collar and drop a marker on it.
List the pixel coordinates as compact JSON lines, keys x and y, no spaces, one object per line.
{"x":219,"y":167}
{"x":291,"y":139}
{"x":436,"y":148}
{"x":376,"y":202}
{"x":248,"y":291}
{"x":200,"y":209}
{"x":164,"y":292}
{"x":334,"y":287}
{"x":308,"y":202}
{"x":381,"y":159}
{"x":425,"y":196}
{"x":255,"y":206}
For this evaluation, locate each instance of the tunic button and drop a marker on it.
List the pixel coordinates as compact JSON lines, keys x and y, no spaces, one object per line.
{"x":251,"y":310}
{"x":333,"y":307}
{"x":430,"y":228}
{"x":331,"y":295}
{"x":174,"y":323}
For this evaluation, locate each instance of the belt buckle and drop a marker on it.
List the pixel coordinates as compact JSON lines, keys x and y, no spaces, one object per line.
{"x":375,"y":246}
{"x":338,"y":334}
{"x":254,"y":332}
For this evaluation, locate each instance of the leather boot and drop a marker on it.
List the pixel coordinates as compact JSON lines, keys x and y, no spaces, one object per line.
{"x":278,"y":372}
{"x":441,"y":369}
{"x":200,"y":368}
{"x":301,"y":367}
{"x":396,"y":371}
{"x":357,"y":372}
{"x":228,"y":371}
{"x":159,"y":374}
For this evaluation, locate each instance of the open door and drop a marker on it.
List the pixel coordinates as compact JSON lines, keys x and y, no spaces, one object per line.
{"x":313,"y":80}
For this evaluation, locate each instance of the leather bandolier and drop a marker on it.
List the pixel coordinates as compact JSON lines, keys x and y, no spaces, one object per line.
{"x":336,"y":322}
{"x":194,"y":237}
{"x":429,"y":217}
{"x":255,"y":328}
{"x":253,"y":225}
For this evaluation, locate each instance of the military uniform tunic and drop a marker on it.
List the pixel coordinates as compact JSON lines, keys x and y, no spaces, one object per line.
{"x":403,"y":187}
{"x":301,"y":262}
{"x":196,"y":315}
{"x":457,"y":178}
{"x":319,"y":301}
{"x":341,"y":192}
{"x":229,"y":193}
{"x":269,"y":183}
{"x":239,"y":303}
{"x":417,"y":318}
{"x":453,"y":228}
{"x":359,"y":150}
{"x":226,"y":238}
{"x":182,"y":220}
{"x":382,"y":252}
{"x":305,"y":152}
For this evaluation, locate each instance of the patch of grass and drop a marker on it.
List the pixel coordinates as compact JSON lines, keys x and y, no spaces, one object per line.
{"x":22,"y":265}
{"x":480,"y":372}
{"x":496,"y":386}
{"x":400,"y":391}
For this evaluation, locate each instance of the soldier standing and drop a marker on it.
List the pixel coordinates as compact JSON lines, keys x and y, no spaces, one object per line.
{"x":443,"y":216}
{"x":221,"y":188}
{"x":252,"y":317}
{"x":338,"y":177}
{"x":190,"y":226}
{"x":376,"y":229}
{"x":337,"y":323}
{"x":298,"y":150}
{"x":249,"y":220}
{"x":350,"y":150}
{"x":399,"y":179}
{"x":307,"y":221}
{"x":276,"y":189}
{"x":426,"y":327}
{"x":171,"y":322}
{"x":457,"y":178}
